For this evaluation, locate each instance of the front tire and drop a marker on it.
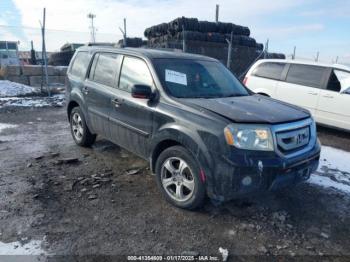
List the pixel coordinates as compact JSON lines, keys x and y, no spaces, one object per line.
{"x":80,"y":131}
{"x":177,"y":174}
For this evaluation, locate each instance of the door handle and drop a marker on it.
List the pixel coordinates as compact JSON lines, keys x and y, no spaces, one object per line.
{"x":328,"y":96}
{"x":312,"y":93}
{"x":116,"y":102}
{"x":85,"y":90}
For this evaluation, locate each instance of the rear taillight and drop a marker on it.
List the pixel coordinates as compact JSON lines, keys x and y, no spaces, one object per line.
{"x":245,"y":81}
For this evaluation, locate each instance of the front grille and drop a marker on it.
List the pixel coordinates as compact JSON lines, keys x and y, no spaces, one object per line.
{"x":293,"y":140}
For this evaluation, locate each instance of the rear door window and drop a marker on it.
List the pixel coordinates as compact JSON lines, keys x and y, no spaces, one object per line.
{"x":106,"y":69}
{"x":80,"y":64}
{"x":269,"y":70}
{"x":134,"y":71}
{"x":334,"y":81}
{"x":344,"y":79}
{"x":306,"y":75}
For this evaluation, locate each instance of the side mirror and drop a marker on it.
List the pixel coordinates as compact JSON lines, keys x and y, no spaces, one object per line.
{"x":141,"y":91}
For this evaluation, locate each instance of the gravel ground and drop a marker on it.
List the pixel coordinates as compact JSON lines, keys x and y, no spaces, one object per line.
{"x":62,"y":200}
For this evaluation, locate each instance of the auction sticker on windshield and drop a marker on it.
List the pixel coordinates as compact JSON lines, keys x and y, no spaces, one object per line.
{"x":175,"y":77}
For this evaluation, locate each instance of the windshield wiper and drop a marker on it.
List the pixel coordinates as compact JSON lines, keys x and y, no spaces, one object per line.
{"x":208,"y":96}
{"x":236,"y":95}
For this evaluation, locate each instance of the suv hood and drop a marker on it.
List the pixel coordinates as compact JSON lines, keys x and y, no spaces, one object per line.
{"x":251,"y":109}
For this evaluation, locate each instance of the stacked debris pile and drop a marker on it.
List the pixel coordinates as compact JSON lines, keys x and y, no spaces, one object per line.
{"x":210,"y":39}
{"x":66,"y":53}
{"x":132,"y":42}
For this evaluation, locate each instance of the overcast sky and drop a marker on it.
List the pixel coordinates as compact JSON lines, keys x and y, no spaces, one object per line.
{"x":311,"y":25}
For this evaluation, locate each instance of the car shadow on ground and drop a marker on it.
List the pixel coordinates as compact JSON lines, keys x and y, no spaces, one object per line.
{"x":333,"y":137}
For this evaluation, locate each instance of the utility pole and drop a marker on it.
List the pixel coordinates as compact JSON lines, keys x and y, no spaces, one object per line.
{"x":294,"y":51}
{"x":229,"y":53}
{"x":44,"y":55}
{"x":92,"y":16}
{"x":266,"y":51}
{"x":183,"y":39}
{"x":217,"y":14}
{"x":317,"y":55}
{"x":124,"y":33}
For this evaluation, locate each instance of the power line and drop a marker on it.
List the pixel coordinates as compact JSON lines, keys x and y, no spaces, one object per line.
{"x":56,"y":30}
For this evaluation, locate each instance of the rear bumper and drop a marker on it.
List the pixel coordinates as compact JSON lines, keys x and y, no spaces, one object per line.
{"x":248,"y":173}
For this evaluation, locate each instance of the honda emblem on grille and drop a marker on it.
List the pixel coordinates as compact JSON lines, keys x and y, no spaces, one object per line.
{"x":300,"y":138}
{"x":293,"y":139}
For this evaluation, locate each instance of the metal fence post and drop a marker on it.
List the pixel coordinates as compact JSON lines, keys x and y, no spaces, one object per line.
{"x":229,"y":53}
{"x":183,"y":39}
{"x":44,"y":55}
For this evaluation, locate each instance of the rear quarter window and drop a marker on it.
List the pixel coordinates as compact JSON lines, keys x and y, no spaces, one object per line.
{"x":306,"y":75}
{"x":269,"y":70}
{"x":107,"y":67}
{"x":80,"y":64}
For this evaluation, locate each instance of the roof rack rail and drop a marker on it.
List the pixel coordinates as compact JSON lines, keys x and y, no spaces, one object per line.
{"x":101,"y":44}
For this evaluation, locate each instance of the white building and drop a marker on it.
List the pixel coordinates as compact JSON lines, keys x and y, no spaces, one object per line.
{"x":9,"y":53}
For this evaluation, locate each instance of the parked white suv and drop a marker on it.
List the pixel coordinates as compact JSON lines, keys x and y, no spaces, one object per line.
{"x":322,"y":89}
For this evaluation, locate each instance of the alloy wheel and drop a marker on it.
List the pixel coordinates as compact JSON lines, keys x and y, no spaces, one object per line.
{"x":77,"y":127}
{"x":177,"y":179}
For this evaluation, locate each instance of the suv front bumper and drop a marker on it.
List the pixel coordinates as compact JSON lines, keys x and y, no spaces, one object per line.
{"x":245,"y":173}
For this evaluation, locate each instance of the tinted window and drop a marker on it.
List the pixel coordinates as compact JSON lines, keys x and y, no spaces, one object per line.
{"x":269,"y":70}
{"x":12,"y":46}
{"x":134,"y":71}
{"x":306,"y":75}
{"x":344,"y":79}
{"x":333,"y":83}
{"x":189,"y":78}
{"x":106,"y":68}
{"x":80,"y":64}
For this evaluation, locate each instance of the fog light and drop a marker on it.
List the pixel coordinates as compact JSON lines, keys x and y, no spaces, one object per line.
{"x":247,"y":181}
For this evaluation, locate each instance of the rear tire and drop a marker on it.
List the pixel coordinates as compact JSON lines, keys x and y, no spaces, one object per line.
{"x":177,"y":174}
{"x":80,"y":131}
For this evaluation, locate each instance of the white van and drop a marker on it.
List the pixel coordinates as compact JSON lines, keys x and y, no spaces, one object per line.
{"x":322,"y":89}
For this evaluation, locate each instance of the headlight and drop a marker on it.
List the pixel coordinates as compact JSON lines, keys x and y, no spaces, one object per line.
{"x":250,"y":137}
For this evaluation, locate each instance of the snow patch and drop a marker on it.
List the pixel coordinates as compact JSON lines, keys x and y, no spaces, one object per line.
{"x":4,"y":126}
{"x":333,"y":171}
{"x":8,"y":89}
{"x":55,"y":100}
{"x":335,"y":158}
{"x":328,"y":183}
{"x":16,"y":248}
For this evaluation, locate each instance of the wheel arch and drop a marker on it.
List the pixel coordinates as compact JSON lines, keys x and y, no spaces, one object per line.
{"x":159,"y":148}
{"x":76,"y":98}
{"x":72,"y":104}
{"x":262,"y":91}
{"x":183,"y":137}
{"x":263,"y":94}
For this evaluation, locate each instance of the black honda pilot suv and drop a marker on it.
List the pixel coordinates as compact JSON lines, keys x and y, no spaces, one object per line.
{"x":202,"y":131}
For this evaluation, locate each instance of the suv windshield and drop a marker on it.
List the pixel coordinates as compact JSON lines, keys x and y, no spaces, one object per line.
{"x":186,"y":78}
